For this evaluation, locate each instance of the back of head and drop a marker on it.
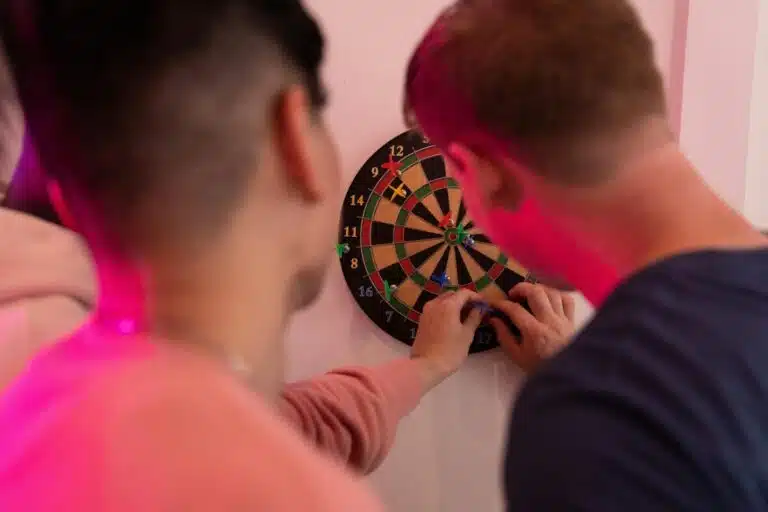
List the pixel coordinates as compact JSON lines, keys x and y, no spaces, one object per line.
{"x":149,"y":113}
{"x":547,"y":79}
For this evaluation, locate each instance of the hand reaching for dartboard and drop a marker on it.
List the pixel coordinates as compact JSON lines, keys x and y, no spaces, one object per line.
{"x":442,"y":340}
{"x":544,"y":330}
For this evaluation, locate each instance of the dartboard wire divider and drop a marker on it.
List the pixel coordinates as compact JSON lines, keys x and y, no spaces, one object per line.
{"x":405,"y":237}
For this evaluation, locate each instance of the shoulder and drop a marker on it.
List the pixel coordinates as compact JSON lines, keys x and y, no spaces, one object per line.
{"x":186,"y":435}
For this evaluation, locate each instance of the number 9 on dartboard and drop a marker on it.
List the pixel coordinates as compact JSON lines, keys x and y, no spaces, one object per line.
{"x":405,"y":237}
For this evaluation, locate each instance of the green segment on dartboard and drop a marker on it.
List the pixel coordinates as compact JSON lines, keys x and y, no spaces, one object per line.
{"x":408,"y":161}
{"x":419,"y":279}
{"x":370,"y":207}
{"x":399,"y":306}
{"x":368,"y":259}
{"x":424,"y":191}
{"x":402,"y":218}
{"x":482,"y":283}
{"x":400,"y":251}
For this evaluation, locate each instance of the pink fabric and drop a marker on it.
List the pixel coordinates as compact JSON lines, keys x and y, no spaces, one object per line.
{"x":101,"y":423}
{"x":47,"y":288}
{"x":353,"y":413}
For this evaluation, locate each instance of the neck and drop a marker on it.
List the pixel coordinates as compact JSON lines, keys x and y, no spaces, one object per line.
{"x":210,"y":305}
{"x":657,"y":207}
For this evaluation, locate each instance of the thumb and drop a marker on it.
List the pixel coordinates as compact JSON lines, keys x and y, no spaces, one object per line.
{"x":474,"y":319}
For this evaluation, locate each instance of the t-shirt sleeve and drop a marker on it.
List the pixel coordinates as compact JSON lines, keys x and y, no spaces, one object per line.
{"x":576,"y":448}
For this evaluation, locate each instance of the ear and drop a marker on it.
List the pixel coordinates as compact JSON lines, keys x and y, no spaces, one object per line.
{"x":495,"y":181}
{"x":294,"y":130}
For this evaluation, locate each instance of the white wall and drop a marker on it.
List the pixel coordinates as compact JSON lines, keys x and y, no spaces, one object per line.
{"x":756,"y":194}
{"x":717,"y":90}
{"x":448,"y":453}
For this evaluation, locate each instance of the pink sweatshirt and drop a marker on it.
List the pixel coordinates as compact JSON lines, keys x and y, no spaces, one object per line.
{"x":47,"y":289}
{"x":108,"y":423}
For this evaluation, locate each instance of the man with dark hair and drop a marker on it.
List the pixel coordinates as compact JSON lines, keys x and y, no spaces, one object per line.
{"x":185,"y":142}
{"x":552,"y":115}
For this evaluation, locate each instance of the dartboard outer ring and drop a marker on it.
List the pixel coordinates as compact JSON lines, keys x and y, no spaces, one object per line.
{"x":392,"y":235}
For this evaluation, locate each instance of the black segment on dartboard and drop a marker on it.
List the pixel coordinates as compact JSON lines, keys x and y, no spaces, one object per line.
{"x":508,"y":280}
{"x":421,"y":211}
{"x":419,"y":258}
{"x":461,"y":268}
{"x":424,"y":297}
{"x":480,"y":238}
{"x":461,"y":214}
{"x":442,"y":265}
{"x":359,"y":282}
{"x":484,"y":261}
{"x":469,"y":226}
{"x":393,"y":274}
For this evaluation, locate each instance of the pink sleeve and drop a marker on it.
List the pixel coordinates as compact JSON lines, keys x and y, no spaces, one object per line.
{"x":353,"y":413}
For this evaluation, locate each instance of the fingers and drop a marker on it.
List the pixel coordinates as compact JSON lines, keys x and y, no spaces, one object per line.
{"x":521,"y":317}
{"x":569,"y":307}
{"x":509,"y":342}
{"x":537,"y":298}
{"x":474,"y":319}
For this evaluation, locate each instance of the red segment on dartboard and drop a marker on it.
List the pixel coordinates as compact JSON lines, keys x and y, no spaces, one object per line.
{"x":432,"y":287}
{"x":495,"y":271}
{"x":439,"y":184}
{"x":428,"y":152}
{"x":410,"y":202}
{"x":377,"y":281}
{"x":399,"y":234}
{"x":414,"y":315}
{"x":365,"y":233}
{"x":408,"y":267}
{"x":471,"y":287}
{"x":383,"y":183}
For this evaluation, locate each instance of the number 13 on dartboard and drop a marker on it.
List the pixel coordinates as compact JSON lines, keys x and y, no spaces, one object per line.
{"x":405,"y":238}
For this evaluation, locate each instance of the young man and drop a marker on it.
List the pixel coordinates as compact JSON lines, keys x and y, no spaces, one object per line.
{"x":553,"y":115}
{"x":187,"y":146}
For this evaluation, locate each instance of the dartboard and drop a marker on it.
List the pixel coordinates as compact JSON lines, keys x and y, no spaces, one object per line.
{"x":405,"y":237}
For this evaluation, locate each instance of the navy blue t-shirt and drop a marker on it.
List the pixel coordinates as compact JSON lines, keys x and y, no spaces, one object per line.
{"x":660,"y":404}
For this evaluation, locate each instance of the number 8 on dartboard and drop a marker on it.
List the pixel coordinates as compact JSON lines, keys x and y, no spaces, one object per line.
{"x":405,"y":238}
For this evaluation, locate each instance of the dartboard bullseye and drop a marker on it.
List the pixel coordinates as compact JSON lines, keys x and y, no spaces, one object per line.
{"x":405,"y":238}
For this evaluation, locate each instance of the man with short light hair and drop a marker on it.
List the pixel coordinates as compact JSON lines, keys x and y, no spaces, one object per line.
{"x":553,"y":117}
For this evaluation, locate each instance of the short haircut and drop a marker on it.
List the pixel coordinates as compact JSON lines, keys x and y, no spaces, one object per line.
{"x":151,"y":110}
{"x":550,"y":78}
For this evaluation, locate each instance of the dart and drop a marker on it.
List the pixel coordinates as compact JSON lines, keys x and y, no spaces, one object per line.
{"x":342,"y":249}
{"x":388,"y":290}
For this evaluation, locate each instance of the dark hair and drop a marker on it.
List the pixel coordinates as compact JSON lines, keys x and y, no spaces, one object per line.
{"x":547,"y":77}
{"x":150,"y":110}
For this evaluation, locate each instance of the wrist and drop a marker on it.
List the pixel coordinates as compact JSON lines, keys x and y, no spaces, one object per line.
{"x":431,"y":373}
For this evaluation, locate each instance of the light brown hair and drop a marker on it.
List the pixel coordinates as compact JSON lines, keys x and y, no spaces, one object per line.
{"x":552,"y":77}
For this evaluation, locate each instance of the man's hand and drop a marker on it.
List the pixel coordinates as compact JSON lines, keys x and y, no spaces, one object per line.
{"x":544,"y":333}
{"x":442,"y":341}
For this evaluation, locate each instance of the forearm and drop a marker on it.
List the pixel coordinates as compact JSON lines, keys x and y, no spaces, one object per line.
{"x":353,"y":413}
